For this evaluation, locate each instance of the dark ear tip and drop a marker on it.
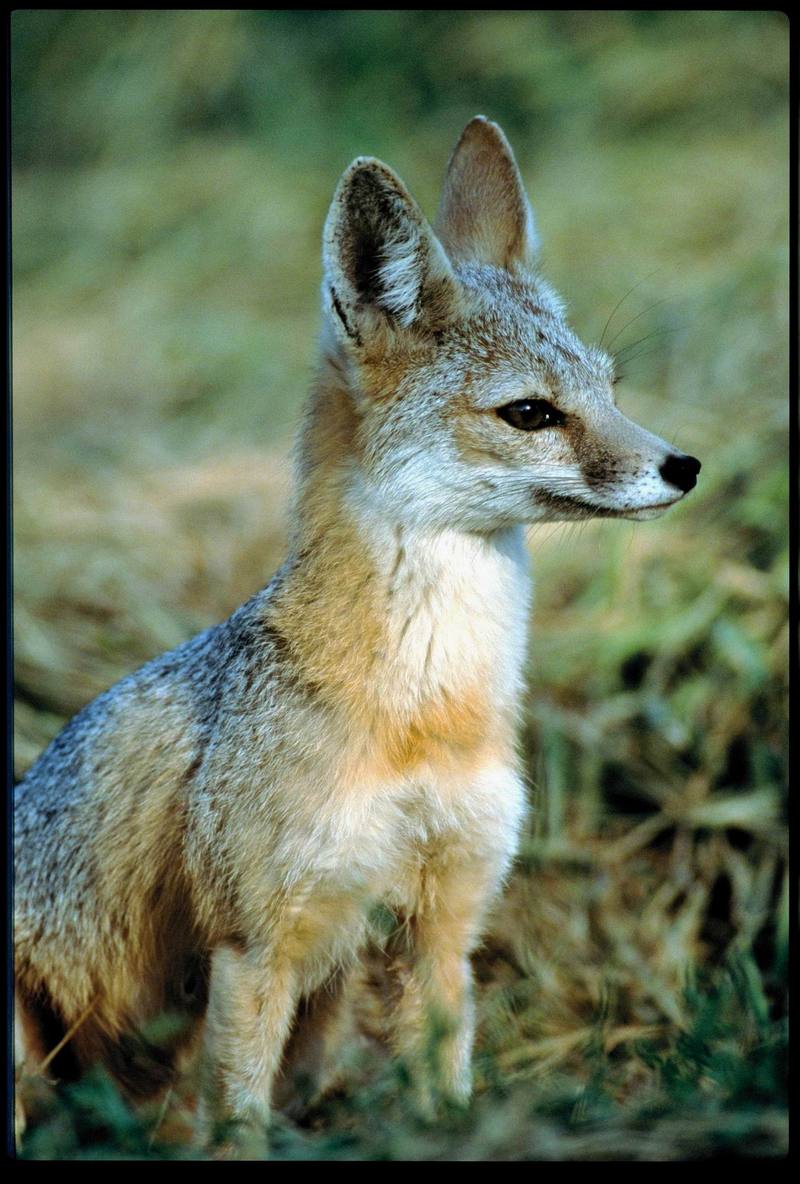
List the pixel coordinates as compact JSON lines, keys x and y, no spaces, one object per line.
{"x":369,"y":173}
{"x":365,"y":164}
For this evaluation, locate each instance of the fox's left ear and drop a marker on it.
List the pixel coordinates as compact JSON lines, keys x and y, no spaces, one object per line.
{"x":484,"y":215}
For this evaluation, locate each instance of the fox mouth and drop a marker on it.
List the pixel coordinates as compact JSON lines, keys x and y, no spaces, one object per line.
{"x":574,"y":507}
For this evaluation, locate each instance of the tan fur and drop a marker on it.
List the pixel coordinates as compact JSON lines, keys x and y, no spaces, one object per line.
{"x":211,"y":836}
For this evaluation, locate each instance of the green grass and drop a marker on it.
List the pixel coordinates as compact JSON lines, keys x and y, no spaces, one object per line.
{"x":710,"y":1087}
{"x":171,"y":176}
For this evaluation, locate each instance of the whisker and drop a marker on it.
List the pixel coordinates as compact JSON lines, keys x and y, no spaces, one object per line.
{"x":638,"y":316}
{"x":643,"y":354}
{"x":619,"y":303}
{"x":656,"y":333}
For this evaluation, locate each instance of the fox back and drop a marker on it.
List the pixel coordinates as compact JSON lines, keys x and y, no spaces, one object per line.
{"x":212,"y":835}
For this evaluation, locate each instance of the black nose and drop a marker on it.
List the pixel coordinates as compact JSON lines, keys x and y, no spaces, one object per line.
{"x":681,"y":471}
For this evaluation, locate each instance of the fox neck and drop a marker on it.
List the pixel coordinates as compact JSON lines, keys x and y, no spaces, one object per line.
{"x":417,"y":634}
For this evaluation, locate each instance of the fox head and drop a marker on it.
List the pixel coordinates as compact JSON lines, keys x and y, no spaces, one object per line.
{"x":472,"y":404}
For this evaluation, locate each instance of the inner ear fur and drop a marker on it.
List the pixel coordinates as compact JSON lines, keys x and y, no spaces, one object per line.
{"x":484,"y":215}
{"x":382,"y":260}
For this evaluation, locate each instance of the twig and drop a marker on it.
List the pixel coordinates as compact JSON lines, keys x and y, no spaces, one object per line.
{"x":67,"y":1037}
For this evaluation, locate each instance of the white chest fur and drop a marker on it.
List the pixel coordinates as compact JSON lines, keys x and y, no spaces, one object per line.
{"x":455,"y":623}
{"x":456,"y":610}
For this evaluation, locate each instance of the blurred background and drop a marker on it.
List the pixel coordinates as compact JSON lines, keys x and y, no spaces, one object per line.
{"x":171,"y":175}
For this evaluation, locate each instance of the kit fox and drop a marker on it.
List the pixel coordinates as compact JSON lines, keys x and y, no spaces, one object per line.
{"x":210,"y":836}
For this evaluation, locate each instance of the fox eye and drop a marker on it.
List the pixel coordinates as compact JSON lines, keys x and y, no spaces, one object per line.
{"x":529,"y":415}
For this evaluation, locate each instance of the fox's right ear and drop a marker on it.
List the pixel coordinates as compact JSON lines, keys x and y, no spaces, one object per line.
{"x":484,"y":215}
{"x":384,"y":266}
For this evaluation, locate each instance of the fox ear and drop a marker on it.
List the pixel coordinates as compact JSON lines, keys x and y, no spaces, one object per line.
{"x":383,"y":263}
{"x":484,"y":215}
